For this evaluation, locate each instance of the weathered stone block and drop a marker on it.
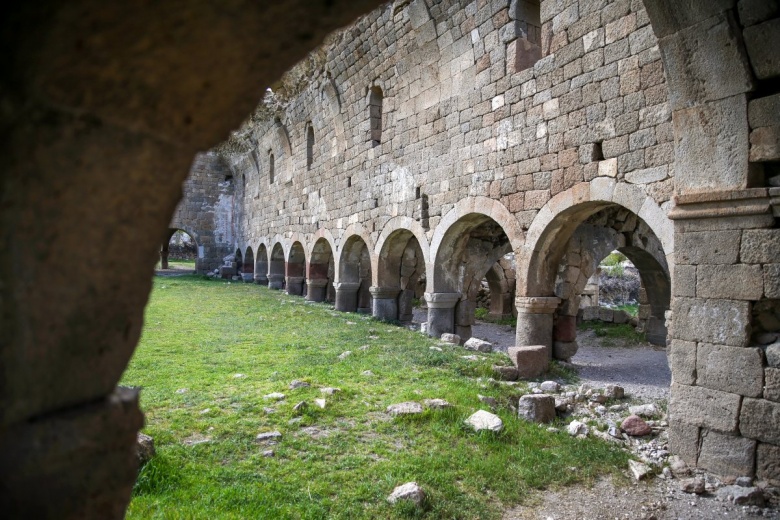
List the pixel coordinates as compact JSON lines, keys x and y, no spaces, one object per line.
{"x":717,"y":364}
{"x":711,"y":247}
{"x":727,"y":455}
{"x":772,"y":281}
{"x":684,"y":440}
{"x":538,"y":408}
{"x":764,"y":111}
{"x":684,"y":281}
{"x":721,"y":322}
{"x":711,"y":137}
{"x":704,"y":407}
{"x":752,"y":12}
{"x":760,"y":246}
{"x":762,"y":42}
{"x":735,"y":282}
{"x":682,"y":361}
{"x":565,"y":328}
{"x":765,"y":144}
{"x":760,"y":419}
{"x":768,"y":463}
{"x":530,"y":361}
{"x":772,"y":384}
{"x":564,"y":350}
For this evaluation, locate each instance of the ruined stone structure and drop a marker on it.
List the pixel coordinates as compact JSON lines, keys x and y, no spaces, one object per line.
{"x":428,"y":140}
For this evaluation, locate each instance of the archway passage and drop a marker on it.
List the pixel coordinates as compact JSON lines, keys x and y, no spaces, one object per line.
{"x":500,"y":281}
{"x":400,"y":277}
{"x":321,"y":272}
{"x":567,"y":255}
{"x":179,"y":251}
{"x":261,"y":265}
{"x":276,"y":268}
{"x":469,"y":249}
{"x":354,"y":280}
{"x":248,"y":270}
{"x":296,"y":270}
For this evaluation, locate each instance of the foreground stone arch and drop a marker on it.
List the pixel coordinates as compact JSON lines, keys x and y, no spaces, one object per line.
{"x":354,"y":268}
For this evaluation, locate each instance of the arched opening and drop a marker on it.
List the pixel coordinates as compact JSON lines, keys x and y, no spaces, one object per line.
{"x":248,"y":273}
{"x":179,"y":252}
{"x":296,"y":270}
{"x":321,"y":272}
{"x":401,"y":277}
{"x":238,"y":260}
{"x":352,"y":289}
{"x":375,"y":98}
{"x":309,"y":146}
{"x":469,"y":250}
{"x":276,"y":268}
{"x":261,"y":265}
{"x":496,"y":295}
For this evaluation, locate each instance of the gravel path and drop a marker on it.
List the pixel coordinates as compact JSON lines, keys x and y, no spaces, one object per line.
{"x":641,"y":369}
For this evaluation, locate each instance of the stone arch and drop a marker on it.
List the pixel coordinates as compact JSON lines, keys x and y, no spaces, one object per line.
{"x":401,"y":259}
{"x":281,"y":152}
{"x":164,"y":251}
{"x":238,"y":258}
{"x":248,"y":273}
{"x":321,"y":270}
{"x":261,"y":264}
{"x":470,"y":239}
{"x":276,"y":267}
{"x":502,"y":291}
{"x":354,"y":270}
{"x":331,"y":100}
{"x":296,"y":269}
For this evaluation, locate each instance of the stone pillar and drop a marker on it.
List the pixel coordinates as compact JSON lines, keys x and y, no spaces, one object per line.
{"x":317,"y":289}
{"x":276,"y":282}
{"x":535,"y":320}
{"x":441,"y":312}
{"x":261,"y":279}
{"x":406,"y":305}
{"x":247,"y":277}
{"x":385,"y":302}
{"x":164,"y":256}
{"x":346,"y":296}
{"x":295,"y":285}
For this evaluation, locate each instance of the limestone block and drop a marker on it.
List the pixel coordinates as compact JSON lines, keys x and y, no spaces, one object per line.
{"x":772,"y":384}
{"x":764,"y":111}
{"x":772,"y":281}
{"x":682,"y":361}
{"x":721,"y":322}
{"x":564,"y":350}
{"x":704,"y":407}
{"x":717,"y":364}
{"x":608,"y":168}
{"x":752,"y":12}
{"x":538,"y":408}
{"x":711,"y":137}
{"x":711,"y":247}
{"x":703,"y":62}
{"x":727,"y":455}
{"x":606,"y":315}
{"x":684,"y":282}
{"x":765,"y":144}
{"x":684,"y":440}
{"x":760,"y":419}
{"x":530,"y":361}
{"x":736,"y":282}
{"x":648,"y":175}
{"x":760,"y":246}
{"x":768,"y":463}
{"x":762,"y":42}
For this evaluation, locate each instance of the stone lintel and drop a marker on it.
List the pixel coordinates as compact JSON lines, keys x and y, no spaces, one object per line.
{"x":747,"y":202}
{"x":442,"y":300}
{"x":384,"y":293}
{"x":537,"y":304}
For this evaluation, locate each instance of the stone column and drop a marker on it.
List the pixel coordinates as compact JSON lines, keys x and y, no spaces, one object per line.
{"x":535,"y":320}
{"x":385,"y":302}
{"x":164,"y":256}
{"x":261,"y":279}
{"x":276,"y":282}
{"x":295,"y":285}
{"x":317,"y":289}
{"x":346,"y":296}
{"x":441,"y":312}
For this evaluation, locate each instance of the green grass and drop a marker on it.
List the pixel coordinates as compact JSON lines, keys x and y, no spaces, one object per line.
{"x":199,"y":333}
{"x":631,"y":308}
{"x":176,"y":263}
{"x":613,"y":334}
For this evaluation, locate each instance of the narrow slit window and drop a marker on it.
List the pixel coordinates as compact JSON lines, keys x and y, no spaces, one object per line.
{"x":309,"y":147}
{"x":375,"y":99}
{"x":270,"y":168}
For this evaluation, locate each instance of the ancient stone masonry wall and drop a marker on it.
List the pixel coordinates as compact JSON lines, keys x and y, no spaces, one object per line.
{"x":207,"y":211}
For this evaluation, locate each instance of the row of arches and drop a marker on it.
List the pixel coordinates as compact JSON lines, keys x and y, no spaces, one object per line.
{"x":479,"y":240}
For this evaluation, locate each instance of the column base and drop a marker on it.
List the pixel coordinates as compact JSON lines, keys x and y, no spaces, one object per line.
{"x":441,"y":312}
{"x":385,"y":303}
{"x":295,"y":285}
{"x":276,"y":282}
{"x":317,"y":290}
{"x":346,"y":296}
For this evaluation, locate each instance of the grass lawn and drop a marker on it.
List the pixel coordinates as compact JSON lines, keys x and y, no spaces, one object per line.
{"x":211,"y":350}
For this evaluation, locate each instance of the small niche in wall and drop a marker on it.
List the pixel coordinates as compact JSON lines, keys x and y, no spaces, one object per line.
{"x":349,"y":182}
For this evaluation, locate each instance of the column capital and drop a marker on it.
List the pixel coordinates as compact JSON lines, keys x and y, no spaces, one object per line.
{"x":347,"y":286}
{"x":294,"y":279}
{"x":537,"y":304}
{"x":317,"y":282}
{"x":384,"y":293}
{"x":276,"y":277}
{"x":441,"y":300}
